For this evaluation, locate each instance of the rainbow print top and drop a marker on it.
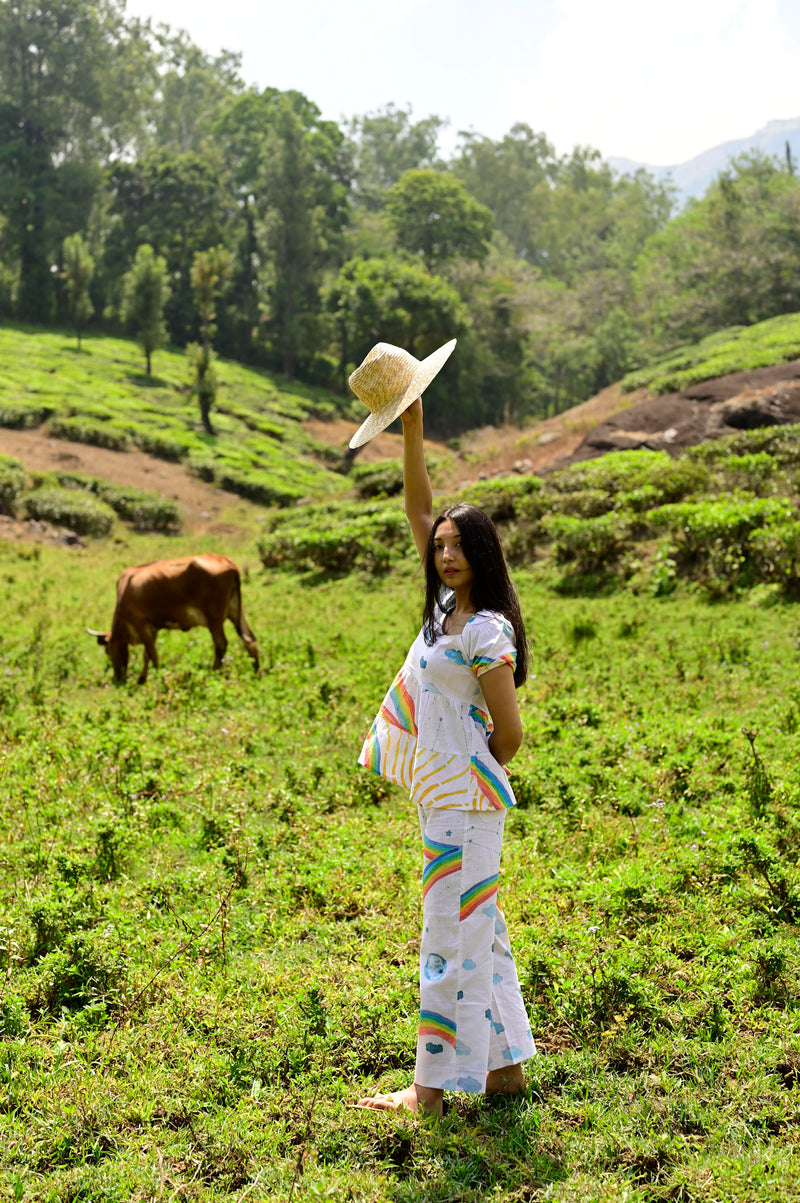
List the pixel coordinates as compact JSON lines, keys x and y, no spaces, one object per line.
{"x":431,"y":734}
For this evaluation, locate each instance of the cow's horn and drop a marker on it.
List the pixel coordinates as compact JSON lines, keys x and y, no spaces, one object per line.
{"x":96,"y":634}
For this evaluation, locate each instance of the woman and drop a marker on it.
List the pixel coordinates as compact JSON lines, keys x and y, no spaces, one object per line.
{"x":448,"y":724}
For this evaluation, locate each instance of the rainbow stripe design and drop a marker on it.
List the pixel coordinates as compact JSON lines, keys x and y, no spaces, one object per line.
{"x":481,"y":892}
{"x":480,"y":664}
{"x":398,"y":707}
{"x":442,"y":860}
{"x":371,"y":752}
{"x":490,"y":785}
{"x":431,"y":1023}
{"x":481,"y":719}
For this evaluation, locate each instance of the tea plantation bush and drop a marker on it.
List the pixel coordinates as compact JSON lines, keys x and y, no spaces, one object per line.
{"x":19,"y":416}
{"x":384,"y":478}
{"x":737,"y":349}
{"x":776,"y":554}
{"x":80,"y":512}
{"x":12,"y":483}
{"x":95,"y":434}
{"x":781,"y":442}
{"x":337,"y":539}
{"x":143,"y":510}
{"x":591,"y":544}
{"x":622,"y":472}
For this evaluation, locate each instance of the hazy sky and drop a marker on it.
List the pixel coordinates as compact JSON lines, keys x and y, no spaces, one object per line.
{"x":653,"y":82}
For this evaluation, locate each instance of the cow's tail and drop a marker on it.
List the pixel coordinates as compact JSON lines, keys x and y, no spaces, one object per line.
{"x":243,"y":630}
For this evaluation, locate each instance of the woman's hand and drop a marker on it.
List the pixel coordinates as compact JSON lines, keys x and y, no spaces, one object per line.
{"x":413,"y":413}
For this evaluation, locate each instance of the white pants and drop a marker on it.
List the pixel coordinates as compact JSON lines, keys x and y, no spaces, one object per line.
{"x":472,"y":1017}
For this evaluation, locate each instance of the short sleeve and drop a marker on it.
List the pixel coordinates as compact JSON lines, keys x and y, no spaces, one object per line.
{"x":490,"y":642}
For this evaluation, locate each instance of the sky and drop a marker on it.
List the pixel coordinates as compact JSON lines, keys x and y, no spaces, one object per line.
{"x":656,"y":83}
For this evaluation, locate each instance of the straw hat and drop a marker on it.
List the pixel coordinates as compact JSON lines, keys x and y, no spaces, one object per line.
{"x":388,"y":380}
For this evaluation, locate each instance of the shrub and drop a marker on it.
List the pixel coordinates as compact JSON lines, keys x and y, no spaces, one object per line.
{"x":145,"y":511}
{"x":623,"y":472}
{"x":384,"y":478}
{"x":82,"y":513}
{"x":12,"y":483}
{"x":95,"y":434}
{"x":501,"y":497}
{"x":712,"y":539}
{"x":781,"y":442}
{"x":697,"y":526}
{"x":256,"y":487}
{"x":584,"y":503}
{"x":24,"y":417}
{"x":776,"y":554}
{"x":160,"y":446}
{"x":592,"y":544}
{"x":87,"y":968}
{"x":336,"y":541}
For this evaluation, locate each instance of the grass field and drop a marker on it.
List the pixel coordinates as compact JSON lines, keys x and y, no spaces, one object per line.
{"x":209,"y":913}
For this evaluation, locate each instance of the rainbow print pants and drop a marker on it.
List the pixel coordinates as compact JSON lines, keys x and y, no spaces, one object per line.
{"x":472,"y":1017}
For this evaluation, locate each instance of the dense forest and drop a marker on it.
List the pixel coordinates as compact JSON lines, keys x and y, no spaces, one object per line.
{"x":144,"y":186}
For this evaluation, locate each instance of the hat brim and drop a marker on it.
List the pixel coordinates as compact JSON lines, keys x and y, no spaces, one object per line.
{"x":423,"y":375}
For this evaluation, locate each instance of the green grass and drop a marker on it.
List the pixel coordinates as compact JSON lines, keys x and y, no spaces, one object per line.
{"x":101,"y":396}
{"x":737,"y":349}
{"x":209,"y":915}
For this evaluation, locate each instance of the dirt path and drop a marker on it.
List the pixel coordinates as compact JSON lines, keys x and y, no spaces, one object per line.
{"x":205,"y":509}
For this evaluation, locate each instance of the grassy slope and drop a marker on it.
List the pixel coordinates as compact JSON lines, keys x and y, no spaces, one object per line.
{"x":101,"y":394}
{"x":737,"y":349}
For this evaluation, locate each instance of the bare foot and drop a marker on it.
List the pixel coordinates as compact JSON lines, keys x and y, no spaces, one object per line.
{"x":505,"y":1081}
{"x":413,"y":1098}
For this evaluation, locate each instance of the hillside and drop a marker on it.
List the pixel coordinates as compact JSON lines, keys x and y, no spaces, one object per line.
{"x":66,"y":415}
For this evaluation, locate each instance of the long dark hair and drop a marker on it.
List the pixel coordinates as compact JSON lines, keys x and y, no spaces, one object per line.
{"x":491,"y":587}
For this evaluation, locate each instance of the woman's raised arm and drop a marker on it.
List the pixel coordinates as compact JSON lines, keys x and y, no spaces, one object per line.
{"x":416,"y":485}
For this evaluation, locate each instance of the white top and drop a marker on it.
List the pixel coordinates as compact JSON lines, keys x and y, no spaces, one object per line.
{"x":431,"y":733}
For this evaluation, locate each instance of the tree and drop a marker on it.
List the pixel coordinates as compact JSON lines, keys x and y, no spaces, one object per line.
{"x":731,"y":258}
{"x":296,"y":168}
{"x":177,"y":204}
{"x":77,"y":273}
{"x":70,"y":83}
{"x":434,"y":216}
{"x":144,"y":294}
{"x":387,"y":144}
{"x":388,"y":300}
{"x":210,"y":269}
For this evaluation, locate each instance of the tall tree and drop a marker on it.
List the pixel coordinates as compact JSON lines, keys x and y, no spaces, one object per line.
{"x":179,"y":205}
{"x":296,"y":168}
{"x":77,"y":272}
{"x":144,"y":294}
{"x":67,"y":103}
{"x":434,"y":216}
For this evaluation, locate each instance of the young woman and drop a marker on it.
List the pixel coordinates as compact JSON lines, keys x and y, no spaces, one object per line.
{"x":447,"y":726}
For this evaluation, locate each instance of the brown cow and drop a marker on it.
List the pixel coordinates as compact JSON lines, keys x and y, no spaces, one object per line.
{"x":195,"y":591}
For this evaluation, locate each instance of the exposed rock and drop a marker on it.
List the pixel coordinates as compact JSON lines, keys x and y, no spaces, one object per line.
{"x":739,"y":401}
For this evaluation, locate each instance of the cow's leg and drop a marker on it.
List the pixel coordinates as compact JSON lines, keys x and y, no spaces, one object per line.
{"x":236,"y":615}
{"x":150,"y":655}
{"x":220,"y":643}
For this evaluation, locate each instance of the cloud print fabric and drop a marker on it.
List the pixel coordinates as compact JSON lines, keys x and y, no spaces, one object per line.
{"x":472,"y":1017}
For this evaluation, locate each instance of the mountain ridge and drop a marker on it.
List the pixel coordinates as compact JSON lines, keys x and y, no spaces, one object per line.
{"x":693,"y":177}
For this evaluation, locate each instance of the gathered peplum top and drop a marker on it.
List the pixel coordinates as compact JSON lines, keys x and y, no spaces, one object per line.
{"x":431,"y":733}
